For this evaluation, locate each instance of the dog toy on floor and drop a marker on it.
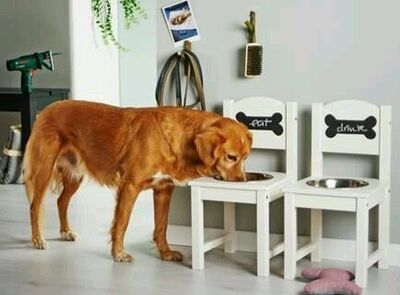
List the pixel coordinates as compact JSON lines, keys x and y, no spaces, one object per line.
{"x":330,"y":281}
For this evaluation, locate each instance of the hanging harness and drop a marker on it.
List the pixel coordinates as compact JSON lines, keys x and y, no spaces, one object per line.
{"x":172,"y":70}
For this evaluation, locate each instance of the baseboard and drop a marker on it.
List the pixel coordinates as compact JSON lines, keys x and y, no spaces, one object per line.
{"x":332,"y":249}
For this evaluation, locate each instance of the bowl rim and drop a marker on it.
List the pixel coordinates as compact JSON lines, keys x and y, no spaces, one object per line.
{"x":315,"y":182}
{"x":266,"y":175}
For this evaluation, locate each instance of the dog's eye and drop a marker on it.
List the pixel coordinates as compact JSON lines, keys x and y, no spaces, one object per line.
{"x":232,"y":158}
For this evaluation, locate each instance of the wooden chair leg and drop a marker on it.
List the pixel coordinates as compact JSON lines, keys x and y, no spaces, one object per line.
{"x":290,"y":237}
{"x":362,"y":242}
{"x":197,"y":229}
{"x":384,"y":232}
{"x":316,"y":233}
{"x":230,"y":227}
{"x":262,"y":234}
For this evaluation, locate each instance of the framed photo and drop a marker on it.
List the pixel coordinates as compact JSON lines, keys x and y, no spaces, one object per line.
{"x":180,"y":22}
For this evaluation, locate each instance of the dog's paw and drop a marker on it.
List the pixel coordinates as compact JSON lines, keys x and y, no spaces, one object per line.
{"x":171,"y":256}
{"x":39,"y":243}
{"x":123,"y":257}
{"x":68,"y":236}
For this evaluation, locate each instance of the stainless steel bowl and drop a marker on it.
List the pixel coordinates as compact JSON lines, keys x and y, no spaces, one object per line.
{"x":253,"y":176}
{"x":337,"y":183}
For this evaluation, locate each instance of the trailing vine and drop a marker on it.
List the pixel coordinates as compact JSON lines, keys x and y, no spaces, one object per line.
{"x":133,"y":12}
{"x":102,"y":12}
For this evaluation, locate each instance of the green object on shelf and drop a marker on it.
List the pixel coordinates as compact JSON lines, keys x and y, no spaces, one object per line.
{"x":28,"y":64}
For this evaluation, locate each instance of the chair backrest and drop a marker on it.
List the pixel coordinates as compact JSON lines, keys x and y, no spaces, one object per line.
{"x":351,"y":127}
{"x":273,"y":124}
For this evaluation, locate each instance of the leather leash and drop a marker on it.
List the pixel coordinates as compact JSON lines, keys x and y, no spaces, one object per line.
{"x":172,"y":70}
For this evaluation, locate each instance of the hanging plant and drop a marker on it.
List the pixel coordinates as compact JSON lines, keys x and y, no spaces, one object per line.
{"x":133,"y":13}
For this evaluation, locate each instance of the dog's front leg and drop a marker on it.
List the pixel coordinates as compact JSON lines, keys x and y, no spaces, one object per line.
{"x":162,"y":198}
{"x":126,"y":197}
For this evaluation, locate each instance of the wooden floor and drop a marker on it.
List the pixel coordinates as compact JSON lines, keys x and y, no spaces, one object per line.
{"x":86,"y":267}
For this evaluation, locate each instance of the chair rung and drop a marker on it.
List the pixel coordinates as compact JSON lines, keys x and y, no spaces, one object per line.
{"x":307,"y":249}
{"x":278,"y":249}
{"x":209,"y":245}
{"x":374,"y":257}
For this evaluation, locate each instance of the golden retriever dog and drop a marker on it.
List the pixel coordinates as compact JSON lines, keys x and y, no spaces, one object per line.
{"x":132,"y":149}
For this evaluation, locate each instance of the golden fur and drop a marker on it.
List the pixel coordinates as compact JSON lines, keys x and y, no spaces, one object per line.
{"x":131,"y":149}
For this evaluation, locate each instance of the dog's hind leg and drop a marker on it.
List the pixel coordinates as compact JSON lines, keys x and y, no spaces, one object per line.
{"x":70,"y":186}
{"x":37,"y":177}
{"x":162,"y":198}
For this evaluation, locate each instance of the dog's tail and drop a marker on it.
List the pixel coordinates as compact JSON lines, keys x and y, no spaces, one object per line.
{"x":40,"y":156}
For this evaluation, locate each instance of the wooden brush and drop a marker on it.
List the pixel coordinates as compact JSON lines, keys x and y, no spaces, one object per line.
{"x":254,"y":51}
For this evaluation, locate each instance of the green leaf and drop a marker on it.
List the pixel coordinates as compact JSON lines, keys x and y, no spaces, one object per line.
{"x":102,"y":12}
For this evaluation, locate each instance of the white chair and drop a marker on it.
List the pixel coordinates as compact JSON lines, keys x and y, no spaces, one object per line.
{"x":350,"y":127}
{"x":280,"y":120}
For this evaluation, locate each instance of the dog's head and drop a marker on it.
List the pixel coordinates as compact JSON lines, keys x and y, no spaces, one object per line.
{"x":223,"y":147}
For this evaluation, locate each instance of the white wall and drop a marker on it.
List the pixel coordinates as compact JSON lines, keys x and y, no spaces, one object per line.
{"x":94,"y":66}
{"x":138,"y":65}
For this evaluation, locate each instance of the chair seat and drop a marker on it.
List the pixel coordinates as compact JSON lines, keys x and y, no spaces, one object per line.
{"x":374,"y":187}
{"x":272,"y":187}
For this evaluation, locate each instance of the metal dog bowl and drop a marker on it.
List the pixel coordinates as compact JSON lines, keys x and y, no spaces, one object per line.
{"x":337,"y":183}
{"x":252,"y":176}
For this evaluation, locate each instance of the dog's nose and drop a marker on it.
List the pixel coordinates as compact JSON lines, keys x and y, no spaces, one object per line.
{"x":218,"y":177}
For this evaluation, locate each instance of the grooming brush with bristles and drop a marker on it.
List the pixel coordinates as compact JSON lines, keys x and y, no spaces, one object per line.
{"x":254,"y":51}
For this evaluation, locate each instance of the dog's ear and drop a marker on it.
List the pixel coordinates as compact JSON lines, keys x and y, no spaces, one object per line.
{"x":207,"y":143}
{"x":250,"y":137}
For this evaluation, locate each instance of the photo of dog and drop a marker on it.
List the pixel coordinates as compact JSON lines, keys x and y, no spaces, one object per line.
{"x":181,"y":22}
{"x":131,"y":149}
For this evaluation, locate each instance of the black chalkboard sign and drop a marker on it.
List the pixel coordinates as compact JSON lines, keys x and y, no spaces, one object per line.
{"x":262,"y":123}
{"x":363,"y":127}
